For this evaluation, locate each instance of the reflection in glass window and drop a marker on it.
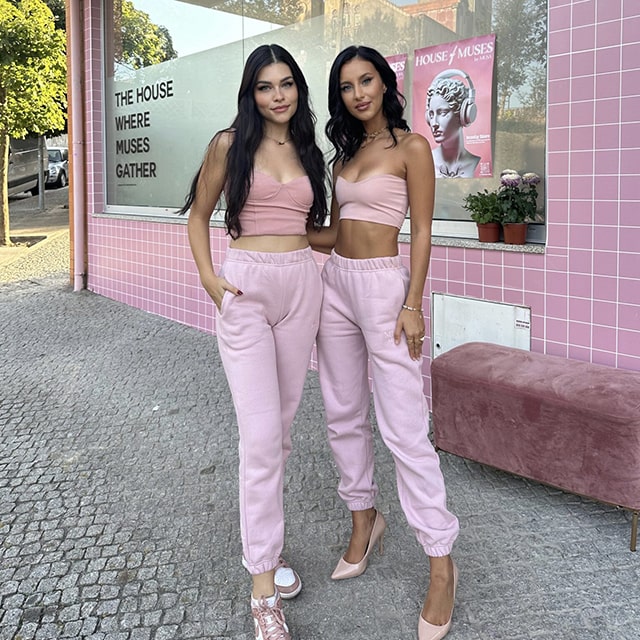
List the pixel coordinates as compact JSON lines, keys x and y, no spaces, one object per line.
{"x":173,"y":68}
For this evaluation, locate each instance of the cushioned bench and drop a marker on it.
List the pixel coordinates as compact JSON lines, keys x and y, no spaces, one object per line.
{"x":569,"y":424}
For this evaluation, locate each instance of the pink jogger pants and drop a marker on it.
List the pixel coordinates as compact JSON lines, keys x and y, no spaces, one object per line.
{"x":265,"y":339}
{"x":361,"y":302}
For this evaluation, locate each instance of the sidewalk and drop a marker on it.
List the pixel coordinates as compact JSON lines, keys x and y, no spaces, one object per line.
{"x":119,"y":507}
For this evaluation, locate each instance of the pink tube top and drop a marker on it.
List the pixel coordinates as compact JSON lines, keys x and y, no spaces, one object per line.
{"x":381,"y":198}
{"x":276,"y":209}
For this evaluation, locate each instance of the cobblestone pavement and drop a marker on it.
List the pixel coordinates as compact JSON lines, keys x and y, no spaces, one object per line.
{"x":118,"y":504}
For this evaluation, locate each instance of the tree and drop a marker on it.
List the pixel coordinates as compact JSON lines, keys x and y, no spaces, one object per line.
{"x":59,"y":16}
{"x":520,"y":27}
{"x":138,"y":41}
{"x":32,"y":81}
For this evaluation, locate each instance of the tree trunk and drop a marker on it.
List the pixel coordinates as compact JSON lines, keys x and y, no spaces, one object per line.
{"x":5,"y":238}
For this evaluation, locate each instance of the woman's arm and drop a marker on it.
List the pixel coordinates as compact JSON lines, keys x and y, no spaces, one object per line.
{"x":208,"y":190}
{"x":323,"y":240}
{"x":421,"y":191}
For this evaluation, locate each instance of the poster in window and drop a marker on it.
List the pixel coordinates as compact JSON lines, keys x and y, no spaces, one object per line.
{"x":452,"y":105}
{"x":398,"y":63}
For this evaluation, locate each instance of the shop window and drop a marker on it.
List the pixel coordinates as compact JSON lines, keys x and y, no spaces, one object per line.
{"x":173,"y":69}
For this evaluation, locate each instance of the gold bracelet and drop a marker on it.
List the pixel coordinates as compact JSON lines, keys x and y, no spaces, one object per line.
{"x":408,"y":308}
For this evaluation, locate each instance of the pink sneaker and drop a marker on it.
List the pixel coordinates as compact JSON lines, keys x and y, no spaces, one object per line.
{"x":287,"y":580}
{"x":268,"y":619}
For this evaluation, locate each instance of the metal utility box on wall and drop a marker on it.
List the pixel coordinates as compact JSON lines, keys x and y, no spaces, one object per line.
{"x":456,"y":320}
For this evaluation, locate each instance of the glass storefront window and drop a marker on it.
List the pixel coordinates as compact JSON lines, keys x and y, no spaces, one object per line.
{"x":173,"y":69}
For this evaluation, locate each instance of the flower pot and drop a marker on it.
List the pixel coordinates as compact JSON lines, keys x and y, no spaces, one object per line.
{"x":515,"y":232}
{"x":488,"y":231}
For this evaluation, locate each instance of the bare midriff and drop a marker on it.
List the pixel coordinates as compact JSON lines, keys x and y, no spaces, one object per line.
{"x":360,"y":240}
{"x":270,"y":244}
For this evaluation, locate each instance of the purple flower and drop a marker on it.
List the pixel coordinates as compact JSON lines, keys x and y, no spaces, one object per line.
{"x":510,"y":180}
{"x":531,"y":178}
{"x":508,"y":171}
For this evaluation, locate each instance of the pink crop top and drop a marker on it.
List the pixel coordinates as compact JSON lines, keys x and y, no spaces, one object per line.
{"x":276,"y":209}
{"x":380,"y":198}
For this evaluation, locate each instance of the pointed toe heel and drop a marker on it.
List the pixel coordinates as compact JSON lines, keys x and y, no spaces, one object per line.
{"x":346,"y":569}
{"x":428,"y":631}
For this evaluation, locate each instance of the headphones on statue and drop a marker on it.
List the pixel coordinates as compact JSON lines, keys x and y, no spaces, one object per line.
{"x":468,"y":108}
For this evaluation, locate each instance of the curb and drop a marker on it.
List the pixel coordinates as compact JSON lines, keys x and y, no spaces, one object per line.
{"x":13,"y":254}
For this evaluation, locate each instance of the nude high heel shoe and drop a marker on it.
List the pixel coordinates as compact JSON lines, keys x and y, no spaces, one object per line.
{"x":345,"y":569}
{"x":428,"y":631}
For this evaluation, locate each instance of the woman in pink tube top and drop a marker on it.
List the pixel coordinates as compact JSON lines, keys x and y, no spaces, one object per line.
{"x":267,"y":293}
{"x":372,"y":311}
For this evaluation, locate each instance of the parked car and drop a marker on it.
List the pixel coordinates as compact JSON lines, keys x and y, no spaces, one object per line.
{"x":58,"y":175}
{"x":24,"y":167}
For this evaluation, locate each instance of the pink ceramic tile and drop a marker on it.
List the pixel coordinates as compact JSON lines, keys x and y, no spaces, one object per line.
{"x":558,"y":115}
{"x":558,"y":187}
{"x":582,"y":163}
{"x":605,"y":288}
{"x":608,"y":33}
{"x":630,"y":81}
{"x":581,"y":188}
{"x":559,"y":67}
{"x":631,"y":56}
{"x":559,"y":17}
{"x":556,"y":283}
{"x":630,"y":363}
{"x":607,"y":161}
{"x":558,"y":91}
{"x":514,"y":278}
{"x":582,"y":114}
{"x":582,"y":88}
{"x":605,"y":212}
{"x":605,"y":358}
{"x":559,"y":139}
{"x":609,"y":10}
{"x":558,"y":163}
{"x":556,"y":330}
{"x":629,"y":267}
{"x":605,"y":313}
{"x":630,"y":139}
{"x":630,"y":187}
{"x":556,"y":306}
{"x":630,"y":108}
{"x":583,"y":63}
{"x":607,"y":59}
{"x":628,"y":342}
{"x":630,"y":239}
{"x":583,"y":13}
{"x":580,"y":285}
{"x":579,"y":309}
{"x":455,"y":270}
{"x":604,"y":338}
{"x":608,"y":85}
{"x":559,"y":42}
{"x":557,"y":235}
{"x":607,"y":188}
{"x":605,"y":263}
{"x":583,"y":38}
{"x":493,"y":276}
{"x":580,"y":261}
{"x":607,"y":136}
{"x":631,"y":23}
{"x":629,"y":316}
{"x":580,"y":334}
{"x":606,"y":239}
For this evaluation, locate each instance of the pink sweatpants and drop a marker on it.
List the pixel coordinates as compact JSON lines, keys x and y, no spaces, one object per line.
{"x":361,"y":302}
{"x":265,"y":339}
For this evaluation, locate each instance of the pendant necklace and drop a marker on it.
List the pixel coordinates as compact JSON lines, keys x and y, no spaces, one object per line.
{"x":278,"y":142}
{"x":370,"y":137}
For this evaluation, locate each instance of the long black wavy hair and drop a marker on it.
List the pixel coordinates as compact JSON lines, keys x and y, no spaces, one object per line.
{"x":248,"y":129}
{"x":347,"y":133}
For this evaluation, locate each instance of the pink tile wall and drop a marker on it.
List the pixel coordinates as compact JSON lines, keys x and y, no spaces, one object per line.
{"x":584,"y":291}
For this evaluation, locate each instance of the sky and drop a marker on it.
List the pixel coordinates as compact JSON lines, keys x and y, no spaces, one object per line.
{"x":195,"y":28}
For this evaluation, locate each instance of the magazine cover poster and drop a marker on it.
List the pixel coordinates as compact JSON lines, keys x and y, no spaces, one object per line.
{"x":452,"y":105}
{"x":398,"y":63}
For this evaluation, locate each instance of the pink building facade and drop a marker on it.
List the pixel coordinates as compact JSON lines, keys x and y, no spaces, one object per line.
{"x":582,"y":286}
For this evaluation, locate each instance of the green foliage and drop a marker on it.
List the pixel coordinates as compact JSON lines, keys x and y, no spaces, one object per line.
{"x":142,"y":42}
{"x":32,"y":69}
{"x":484,"y":206}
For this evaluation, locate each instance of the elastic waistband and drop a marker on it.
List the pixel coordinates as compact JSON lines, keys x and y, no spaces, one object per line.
{"x":269,"y":257}
{"x":365,"y":264}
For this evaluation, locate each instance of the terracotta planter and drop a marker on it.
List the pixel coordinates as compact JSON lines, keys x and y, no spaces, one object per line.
{"x":488,"y":231}
{"x":515,"y":232}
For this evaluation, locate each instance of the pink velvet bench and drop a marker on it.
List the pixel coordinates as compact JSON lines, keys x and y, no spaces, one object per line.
{"x":569,"y":424}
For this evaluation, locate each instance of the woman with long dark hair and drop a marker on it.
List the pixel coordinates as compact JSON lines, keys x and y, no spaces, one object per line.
{"x":267,"y":293}
{"x":372,"y":310}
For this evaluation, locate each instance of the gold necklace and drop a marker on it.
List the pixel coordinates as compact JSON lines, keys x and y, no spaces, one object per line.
{"x":278,"y":142}
{"x":369,"y":137}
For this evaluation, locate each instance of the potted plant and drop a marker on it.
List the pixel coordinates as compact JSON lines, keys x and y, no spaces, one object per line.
{"x":517,"y":198}
{"x":486,"y":213}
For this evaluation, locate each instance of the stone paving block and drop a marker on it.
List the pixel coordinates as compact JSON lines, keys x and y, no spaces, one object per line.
{"x":118,"y":505}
